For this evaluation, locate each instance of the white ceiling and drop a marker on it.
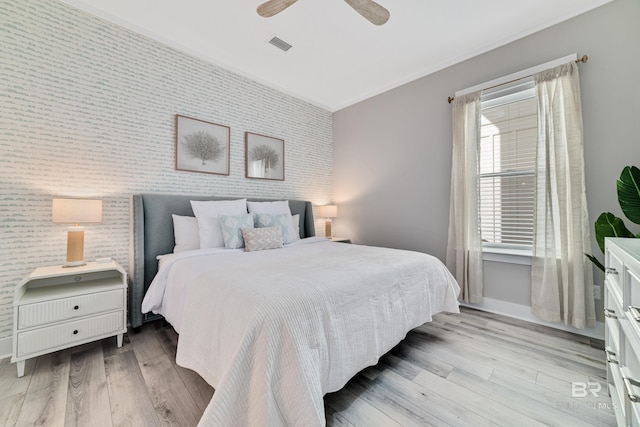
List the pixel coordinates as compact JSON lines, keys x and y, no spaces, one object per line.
{"x":338,"y":58}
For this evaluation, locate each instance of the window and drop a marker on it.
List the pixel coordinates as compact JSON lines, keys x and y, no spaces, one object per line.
{"x":506,"y":173}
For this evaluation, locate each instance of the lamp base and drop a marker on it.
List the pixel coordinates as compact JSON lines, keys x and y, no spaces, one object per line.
{"x":74,"y":264}
{"x":75,"y":247}
{"x":327,"y":228}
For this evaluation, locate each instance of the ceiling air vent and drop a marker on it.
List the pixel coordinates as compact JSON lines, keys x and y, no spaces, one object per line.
{"x":280,"y":44}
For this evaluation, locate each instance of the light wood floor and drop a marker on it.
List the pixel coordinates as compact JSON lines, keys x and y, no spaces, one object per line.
{"x":472,"y":369}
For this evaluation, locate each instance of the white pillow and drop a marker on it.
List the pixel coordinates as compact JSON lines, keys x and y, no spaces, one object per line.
{"x":278,"y":207}
{"x":274,"y":208}
{"x":208,"y":213}
{"x":259,"y":239}
{"x":185,"y":233}
{"x":296,"y":224}
{"x":231,"y":225}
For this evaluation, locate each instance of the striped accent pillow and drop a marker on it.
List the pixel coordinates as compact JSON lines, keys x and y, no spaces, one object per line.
{"x":259,"y":239}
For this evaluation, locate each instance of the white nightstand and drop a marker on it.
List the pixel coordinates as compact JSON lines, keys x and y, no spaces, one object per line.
{"x":57,"y":307}
{"x":340,"y":239}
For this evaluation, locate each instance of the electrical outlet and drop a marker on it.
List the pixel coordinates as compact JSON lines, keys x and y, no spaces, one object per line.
{"x":597,"y":292}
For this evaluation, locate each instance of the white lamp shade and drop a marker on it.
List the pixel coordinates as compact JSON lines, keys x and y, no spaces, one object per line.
{"x":328,"y":211}
{"x":76,"y":211}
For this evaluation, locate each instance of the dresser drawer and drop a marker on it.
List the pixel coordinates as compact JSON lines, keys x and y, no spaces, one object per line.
{"x":42,"y":313}
{"x":633,"y":280}
{"x":614,"y":271}
{"x":66,"y":334}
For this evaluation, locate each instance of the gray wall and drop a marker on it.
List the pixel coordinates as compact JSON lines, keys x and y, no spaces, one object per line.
{"x":87,"y":109}
{"x":392,"y":153}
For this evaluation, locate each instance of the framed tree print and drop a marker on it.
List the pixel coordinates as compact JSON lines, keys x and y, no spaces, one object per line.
{"x":264,"y":157}
{"x":202,"y":146}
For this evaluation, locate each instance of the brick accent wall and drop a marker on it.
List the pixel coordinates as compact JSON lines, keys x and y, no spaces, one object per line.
{"x":87,"y":109}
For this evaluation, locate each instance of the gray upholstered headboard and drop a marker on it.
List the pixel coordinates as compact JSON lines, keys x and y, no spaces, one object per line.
{"x":152,"y":235}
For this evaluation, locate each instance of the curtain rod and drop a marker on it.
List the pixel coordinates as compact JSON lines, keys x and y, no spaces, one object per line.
{"x":583,"y":59}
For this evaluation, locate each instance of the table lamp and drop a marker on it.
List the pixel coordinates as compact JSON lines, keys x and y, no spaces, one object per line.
{"x":76,"y":211}
{"x":328,"y":212}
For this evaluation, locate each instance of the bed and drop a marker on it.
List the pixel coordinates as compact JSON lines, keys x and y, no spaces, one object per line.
{"x":274,"y":330}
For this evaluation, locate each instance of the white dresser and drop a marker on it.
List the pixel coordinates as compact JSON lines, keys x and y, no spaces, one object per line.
{"x":622,"y":327}
{"x":57,"y":307}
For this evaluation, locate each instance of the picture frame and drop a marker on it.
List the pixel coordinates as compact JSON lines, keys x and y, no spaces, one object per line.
{"x":202,"y":146}
{"x":264,"y":157}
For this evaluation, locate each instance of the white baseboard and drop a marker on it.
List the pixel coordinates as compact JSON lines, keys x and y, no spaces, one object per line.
{"x":6,"y":347}
{"x":523,"y":312}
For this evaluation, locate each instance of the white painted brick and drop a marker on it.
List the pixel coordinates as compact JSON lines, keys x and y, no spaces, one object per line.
{"x":87,"y":109}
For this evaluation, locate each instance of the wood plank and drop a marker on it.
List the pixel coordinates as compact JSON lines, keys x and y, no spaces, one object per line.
{"x":530,"y":354}
{"x":496,"y":412}
{"x":421,"y":359}
{"x":561,"y":400}
{"x":129,"y":398}
{"x":446,"y":354}
{"x":427,"y":404}
{"x":110,"y":347}
{"x":46,"y":398}
{"x":10,"y":384}
{"x":199,"y":389}
{"x":145,"y":343}
{"x":520,"y":402}
{"x":379,"y":398}
{"x":334,"y":419}
{"x":10,"y":407}
{"x":507,"y":357}
{"x":478,"y":352}
{"x":400,"y":366}
{"x":201,"y":392}
{"x":88,"y":395}
{"x":169,"y":340}
{"x":171,"y":399}
{"x":357,"y":411}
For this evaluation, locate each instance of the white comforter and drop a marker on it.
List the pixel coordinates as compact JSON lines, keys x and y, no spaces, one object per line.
{"x":273,"y":331}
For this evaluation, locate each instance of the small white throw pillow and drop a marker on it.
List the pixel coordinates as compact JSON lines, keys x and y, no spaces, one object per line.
{"x":208,"y":215}
{"x":185,"y":233}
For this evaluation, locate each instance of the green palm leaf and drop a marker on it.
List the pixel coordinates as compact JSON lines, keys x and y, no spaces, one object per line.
{"x":629,"y":193}
{"x":596,"y":261}
{"x":609,"y":225}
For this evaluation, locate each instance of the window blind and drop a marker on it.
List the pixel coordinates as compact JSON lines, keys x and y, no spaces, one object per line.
{"x":506,"y":168}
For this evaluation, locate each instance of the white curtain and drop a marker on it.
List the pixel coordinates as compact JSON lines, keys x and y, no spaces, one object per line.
{"x":561,"y":279}
{"x":464,"y":248}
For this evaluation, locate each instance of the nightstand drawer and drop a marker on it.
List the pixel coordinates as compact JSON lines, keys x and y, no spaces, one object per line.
{"x":42,"y":313}
{"x":44,"y":339}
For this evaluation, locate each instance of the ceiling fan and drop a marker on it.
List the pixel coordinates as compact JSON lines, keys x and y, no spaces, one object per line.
{"x":369,"y":9}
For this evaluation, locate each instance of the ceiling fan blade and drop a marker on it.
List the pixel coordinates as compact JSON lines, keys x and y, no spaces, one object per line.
{"x":273,"y":7}
{"x":371,"y":10}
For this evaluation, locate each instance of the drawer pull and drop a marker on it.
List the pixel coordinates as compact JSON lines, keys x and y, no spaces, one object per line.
{"x":627,"y":384}
{"x":610,"y":353}
{"x":75,"y":332}
{"x":75,"y":307}
{"x":610,"y":270}
{"x":634,"y":313}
